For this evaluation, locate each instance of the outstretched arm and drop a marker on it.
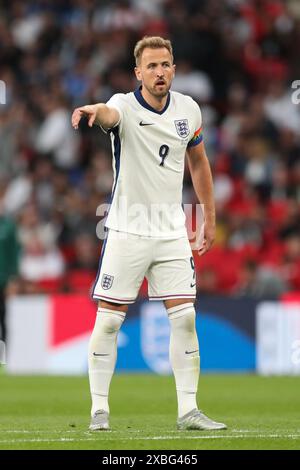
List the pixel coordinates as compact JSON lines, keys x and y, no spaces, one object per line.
{"x":203,"y":186}
{"x":100,"y":114}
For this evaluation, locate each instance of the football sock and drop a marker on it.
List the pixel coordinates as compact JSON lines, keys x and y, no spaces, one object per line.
{"x":103,"y":355}
{"x":184,"y":355}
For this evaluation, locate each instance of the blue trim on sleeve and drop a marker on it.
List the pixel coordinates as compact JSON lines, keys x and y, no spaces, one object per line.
{"x":143,"y":102}
{"x":117,"y":153}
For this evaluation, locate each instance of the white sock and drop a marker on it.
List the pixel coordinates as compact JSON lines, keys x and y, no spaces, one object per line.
{"x":103,"y":355}
{"x":184,"y":355}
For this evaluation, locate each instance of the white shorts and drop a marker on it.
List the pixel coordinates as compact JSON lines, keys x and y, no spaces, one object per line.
{"x":126,"y":259}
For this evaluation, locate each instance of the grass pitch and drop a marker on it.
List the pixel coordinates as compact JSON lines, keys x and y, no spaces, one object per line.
{"x":53,"y":413}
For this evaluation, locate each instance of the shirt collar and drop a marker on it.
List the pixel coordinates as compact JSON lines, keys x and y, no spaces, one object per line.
{"x":143,"y":102}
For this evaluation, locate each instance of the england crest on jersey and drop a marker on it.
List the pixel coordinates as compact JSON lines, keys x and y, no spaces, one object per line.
{"x":182,"y":128}
{"x":107,"y":281}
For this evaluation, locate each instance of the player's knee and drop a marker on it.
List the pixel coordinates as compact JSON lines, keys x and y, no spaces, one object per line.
{"x":112,"y":306}
{"x":107,"y":323}
{"x":110,"y":323}
{"x":183,"y":317}
{"x":188,"y":322}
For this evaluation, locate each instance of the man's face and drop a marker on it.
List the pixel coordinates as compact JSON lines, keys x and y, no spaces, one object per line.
{"x":156,"y":71}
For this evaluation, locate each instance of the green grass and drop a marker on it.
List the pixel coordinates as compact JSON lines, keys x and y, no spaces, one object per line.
{"x":53,"y":413}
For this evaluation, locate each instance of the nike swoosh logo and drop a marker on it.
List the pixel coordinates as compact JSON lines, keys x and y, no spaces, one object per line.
{"x":190,"y":352}
{"x":95,"y":354}
{"x":146,"y":123}
{"x":193,"y":285}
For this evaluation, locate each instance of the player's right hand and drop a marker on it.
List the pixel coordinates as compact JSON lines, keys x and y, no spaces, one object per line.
{"x":89,"y":111}
{"x":208,"y":238}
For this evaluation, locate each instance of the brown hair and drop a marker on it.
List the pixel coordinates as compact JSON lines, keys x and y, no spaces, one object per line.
{"x":153,"y":42}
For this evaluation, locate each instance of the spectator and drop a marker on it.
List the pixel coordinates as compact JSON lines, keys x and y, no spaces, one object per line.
{"x":9,"y":250}
{"x":40,"y":257}
{"x":189,"y":81}
{"x":260,"y":282}
{"x":55,"y":133}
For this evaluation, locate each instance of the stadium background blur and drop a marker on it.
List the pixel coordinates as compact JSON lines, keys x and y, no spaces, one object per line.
{"x":237,"y":59}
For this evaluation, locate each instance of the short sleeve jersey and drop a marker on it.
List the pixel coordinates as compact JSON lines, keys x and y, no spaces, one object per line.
{"x":149,"y":149}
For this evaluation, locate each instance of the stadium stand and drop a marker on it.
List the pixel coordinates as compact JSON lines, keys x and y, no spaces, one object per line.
{"x":237,"y":58}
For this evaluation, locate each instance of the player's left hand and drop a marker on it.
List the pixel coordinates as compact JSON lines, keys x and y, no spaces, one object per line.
{"x":208,"y":239}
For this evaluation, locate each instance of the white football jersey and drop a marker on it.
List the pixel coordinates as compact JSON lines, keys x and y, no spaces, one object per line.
{"x":148,"y":149}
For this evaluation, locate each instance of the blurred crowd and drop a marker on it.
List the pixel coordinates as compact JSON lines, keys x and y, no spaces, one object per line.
{"x":236,"y":58}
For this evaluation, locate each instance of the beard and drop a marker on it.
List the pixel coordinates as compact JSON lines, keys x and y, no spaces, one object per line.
{"x":158,"y":93}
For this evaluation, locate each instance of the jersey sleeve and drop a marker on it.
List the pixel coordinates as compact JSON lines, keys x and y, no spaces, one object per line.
{"x":197,"y":135}
{"x":117,"y":102}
